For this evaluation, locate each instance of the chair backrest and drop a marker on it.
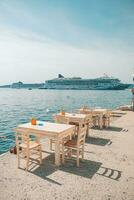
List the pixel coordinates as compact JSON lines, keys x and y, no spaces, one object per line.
{"x":86,"y":111}
{"x":26,"y":138}
{"x":89,"y":120}
{"x":81,"y":136}
{"x":22,"y":138}
{"x":108,"y":114}
{"x":84,"y":107}
{"x":96,"y":113}
{"x":88,"y":117}
{"x":61,"y":119}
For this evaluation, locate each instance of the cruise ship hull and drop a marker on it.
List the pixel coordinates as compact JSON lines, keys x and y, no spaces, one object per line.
{"x":119,"y":87}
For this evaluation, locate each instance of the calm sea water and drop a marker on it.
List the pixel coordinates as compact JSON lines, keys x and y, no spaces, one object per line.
{"x":19,"y":106}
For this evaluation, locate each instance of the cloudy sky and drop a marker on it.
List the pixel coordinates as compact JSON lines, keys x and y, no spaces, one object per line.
{"x":41,"y":38}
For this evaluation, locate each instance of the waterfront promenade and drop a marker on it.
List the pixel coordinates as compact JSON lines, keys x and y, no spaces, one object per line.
{"x":107,"y":172}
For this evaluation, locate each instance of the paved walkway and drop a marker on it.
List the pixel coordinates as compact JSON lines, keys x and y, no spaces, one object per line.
{"x":107,"y":173}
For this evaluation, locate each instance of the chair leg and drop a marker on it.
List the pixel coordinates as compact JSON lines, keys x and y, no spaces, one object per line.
{"x":51,"y":144}
{"x":82,"y":153}
{"x":78,"y":161}
{"x":104,"y":123}
{"x":94,"y":122}
{"x":40,"y":151}
{"x":109,"y":122}
{"x":70,"y":152}
{"x":27,"y":160}
{"x":77,"y":130}
{"x":63,"y":155}
{"x":87,"y":134}
{"x":18,"y":158}
{"x":101,"y":122}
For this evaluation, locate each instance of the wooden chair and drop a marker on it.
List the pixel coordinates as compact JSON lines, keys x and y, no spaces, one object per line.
{"x":96,"y":120}
{"x":105,"y":122}
{"x":88,"y":123}
{"x":61,"y":120}
{"x":107,"y":119}
{"x":75,"y":146}
{"x":26,"y":146}
{"x":89,"y":118}
{"x":95,"y":116}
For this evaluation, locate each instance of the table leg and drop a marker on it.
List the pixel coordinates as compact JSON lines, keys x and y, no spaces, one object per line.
{"x":57,"y":152}
{"x":87,"y":131}
{"x":101,"y":121}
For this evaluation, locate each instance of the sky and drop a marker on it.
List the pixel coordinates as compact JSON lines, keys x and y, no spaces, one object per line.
{"x":41,"y":38}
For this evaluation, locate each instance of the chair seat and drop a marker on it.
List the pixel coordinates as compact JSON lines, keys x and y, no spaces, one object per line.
{"x":95,"y":116}
{"x":32,"y":144}
{"x":106,"y":117}
{"x":71,"y":143}
{"x":74,"y":123}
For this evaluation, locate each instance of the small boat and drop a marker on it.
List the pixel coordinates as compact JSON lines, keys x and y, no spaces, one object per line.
{"x":29,"y":88}
{"x":2,"y":136}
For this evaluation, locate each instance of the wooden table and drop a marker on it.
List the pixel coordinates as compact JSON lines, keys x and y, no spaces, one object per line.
{"x":101,"y":112}
{"x":48,"y":129}
{"x":75,"y":117}
{"x":97,"y":111}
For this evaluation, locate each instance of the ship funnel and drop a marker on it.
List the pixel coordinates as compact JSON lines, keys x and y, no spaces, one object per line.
{"x":60,"y":76}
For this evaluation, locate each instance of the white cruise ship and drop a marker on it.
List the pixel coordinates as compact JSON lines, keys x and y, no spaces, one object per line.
{"x":77,"y":83}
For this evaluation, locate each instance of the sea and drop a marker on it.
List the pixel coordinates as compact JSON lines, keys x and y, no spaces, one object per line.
{"x":18,"y":106}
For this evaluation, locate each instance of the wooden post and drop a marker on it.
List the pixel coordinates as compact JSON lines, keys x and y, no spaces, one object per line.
{"x":132,"y":90}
